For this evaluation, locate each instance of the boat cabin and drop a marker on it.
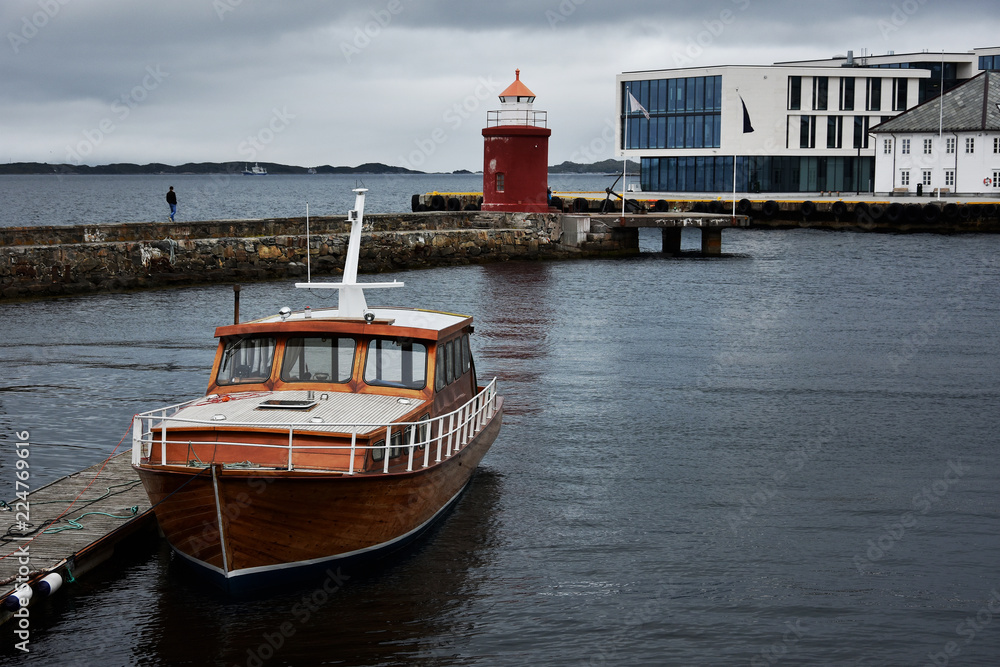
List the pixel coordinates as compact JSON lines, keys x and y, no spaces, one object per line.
{"x":310,"y":390}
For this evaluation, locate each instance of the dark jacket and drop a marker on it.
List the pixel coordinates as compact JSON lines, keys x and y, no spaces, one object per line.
{"x":172,"y":197}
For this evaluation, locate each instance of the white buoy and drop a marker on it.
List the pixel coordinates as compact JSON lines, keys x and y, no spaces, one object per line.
{"x":50,"y":583}
{"x":19,"y":598}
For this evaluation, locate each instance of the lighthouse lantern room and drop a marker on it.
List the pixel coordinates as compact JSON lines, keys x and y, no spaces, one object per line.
{"x":516,"y":153}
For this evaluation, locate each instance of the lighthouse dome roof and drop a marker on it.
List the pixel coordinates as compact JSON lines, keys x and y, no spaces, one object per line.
{"x":517,"y":91}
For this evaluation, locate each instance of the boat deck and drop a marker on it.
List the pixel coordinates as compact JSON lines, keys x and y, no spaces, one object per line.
{"x":85,"y":535}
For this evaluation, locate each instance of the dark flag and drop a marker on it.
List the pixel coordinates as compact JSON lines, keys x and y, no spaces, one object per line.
{"x":747,"y":127}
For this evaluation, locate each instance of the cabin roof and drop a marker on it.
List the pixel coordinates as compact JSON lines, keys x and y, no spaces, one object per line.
{"x":413,"y":320}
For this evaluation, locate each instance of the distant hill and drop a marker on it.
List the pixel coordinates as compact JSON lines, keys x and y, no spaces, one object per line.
{"x":193,"y":168}
{"x":604,"y":167}
{"x":608,"y":166}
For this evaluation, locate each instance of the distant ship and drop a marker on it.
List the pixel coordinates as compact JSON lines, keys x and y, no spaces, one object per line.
{"x":255,"y":170}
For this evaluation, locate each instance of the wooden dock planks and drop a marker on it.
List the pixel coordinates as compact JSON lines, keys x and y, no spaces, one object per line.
{"x":74,"y":551}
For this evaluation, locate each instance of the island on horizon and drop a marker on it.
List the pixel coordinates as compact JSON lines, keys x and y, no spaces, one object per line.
{"x":608,"y":166}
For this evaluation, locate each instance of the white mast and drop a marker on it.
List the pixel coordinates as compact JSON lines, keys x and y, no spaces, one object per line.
{"x":352,"y":293}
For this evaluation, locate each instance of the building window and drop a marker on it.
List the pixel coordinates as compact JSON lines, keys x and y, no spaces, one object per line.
{"x":989,"y":62}
{"x":683,"y":113}
{"x":807,"y":132}
{"x":873,"y":94}
{"x":928,"y":144}
{"x":499,"y":181}
{"x":950,"y":145}
{"x":996,"y":145}
{"x":996,"y":179}
{"x":821,"y":87}
{"x":949,"y":178}
{"x":904,"y":146}
{"x":847,"y":93}
{"x":887,"y":146}
{"x":970,"y":145}
{"x":899,"y":94}
{"x":834,"y":131}
{"x":795,"y":92}
{"x":925,"y":177}
{"x":861,"y":132}
{"x":904,"y":177}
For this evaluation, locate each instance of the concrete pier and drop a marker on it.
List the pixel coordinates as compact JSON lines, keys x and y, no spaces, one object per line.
{"x":671,"y":224}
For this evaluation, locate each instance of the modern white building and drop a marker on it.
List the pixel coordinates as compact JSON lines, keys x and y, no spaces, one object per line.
{"x":811,"y":120}
{"x":950,"y":142}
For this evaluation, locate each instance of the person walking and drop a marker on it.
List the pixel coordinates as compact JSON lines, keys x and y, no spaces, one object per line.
{"x":172,"y":200}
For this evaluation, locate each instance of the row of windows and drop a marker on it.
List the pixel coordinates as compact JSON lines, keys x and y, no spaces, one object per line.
{"x":389,"y":362}
{"x":949,"y":178}
{"x":989,"y":62}
{"x":834,"y":130}
{"x":671,"y":96}
{"x":928,"y":146}
{"x":821,"y":87}
{"x":756,"y":174}
{"x":687,"y":131}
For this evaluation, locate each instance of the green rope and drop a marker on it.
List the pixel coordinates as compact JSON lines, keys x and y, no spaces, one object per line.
{"x":74,"y":524}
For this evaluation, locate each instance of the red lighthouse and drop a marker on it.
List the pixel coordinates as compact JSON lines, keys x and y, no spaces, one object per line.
{"x":516,"y":153}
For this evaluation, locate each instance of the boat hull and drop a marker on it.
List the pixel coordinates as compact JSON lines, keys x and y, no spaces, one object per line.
{"x":248,"y":528}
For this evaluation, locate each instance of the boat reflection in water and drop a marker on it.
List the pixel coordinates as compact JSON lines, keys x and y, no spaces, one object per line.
{"x":325,"y":436}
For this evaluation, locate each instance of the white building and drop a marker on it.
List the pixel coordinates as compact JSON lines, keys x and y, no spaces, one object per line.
{"x":811,"y":119}
{"x":951,"y":143}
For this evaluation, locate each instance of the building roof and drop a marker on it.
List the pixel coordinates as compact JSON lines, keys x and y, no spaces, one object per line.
{"x":517,"y":89}
{"x":968,"y":107}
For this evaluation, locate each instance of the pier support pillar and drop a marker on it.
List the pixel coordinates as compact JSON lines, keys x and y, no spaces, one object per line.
{"x":711,"y":241}
{"x":671,"y":240}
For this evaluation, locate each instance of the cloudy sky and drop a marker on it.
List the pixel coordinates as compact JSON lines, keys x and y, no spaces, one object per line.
{"x":404,"y":82}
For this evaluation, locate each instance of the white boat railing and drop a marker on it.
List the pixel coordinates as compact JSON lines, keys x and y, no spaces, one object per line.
{"x":441,"y":437}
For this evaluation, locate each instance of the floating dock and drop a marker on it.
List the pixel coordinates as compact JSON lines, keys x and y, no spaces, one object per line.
{"x":73,"y":524}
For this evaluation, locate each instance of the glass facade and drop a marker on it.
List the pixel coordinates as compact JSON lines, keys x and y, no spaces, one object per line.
{"x":683,"y":113}
{"x":757,"y":173}
{"x":989,"y":62}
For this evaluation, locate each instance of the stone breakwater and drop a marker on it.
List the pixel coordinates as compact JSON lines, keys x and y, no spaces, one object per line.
{"x":56,"y":261}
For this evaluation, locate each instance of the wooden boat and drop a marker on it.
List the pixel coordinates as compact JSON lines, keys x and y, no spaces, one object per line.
{"x":325,"y":436}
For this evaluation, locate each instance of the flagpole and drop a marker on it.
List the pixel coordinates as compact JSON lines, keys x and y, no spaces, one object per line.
{"x":734,"y":173}
{"x":624,"y":156}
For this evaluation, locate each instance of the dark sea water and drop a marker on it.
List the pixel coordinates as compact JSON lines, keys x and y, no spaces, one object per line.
{"x":788,"y":455}
{"x":35,"y":200}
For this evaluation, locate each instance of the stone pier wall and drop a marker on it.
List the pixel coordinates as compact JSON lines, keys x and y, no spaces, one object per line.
{"x":54,"y":261}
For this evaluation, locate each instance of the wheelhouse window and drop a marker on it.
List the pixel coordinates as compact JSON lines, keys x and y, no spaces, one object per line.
{"x":318,"y":359}
{"x":454,"y":359}
{"x":392,"y":362}
{"x":246,"y":360}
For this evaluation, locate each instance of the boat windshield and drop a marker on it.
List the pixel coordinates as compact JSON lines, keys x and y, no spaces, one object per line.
{"x":318,"y":359}
{"x":246,"y":360}
{"x":392,"y":362}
